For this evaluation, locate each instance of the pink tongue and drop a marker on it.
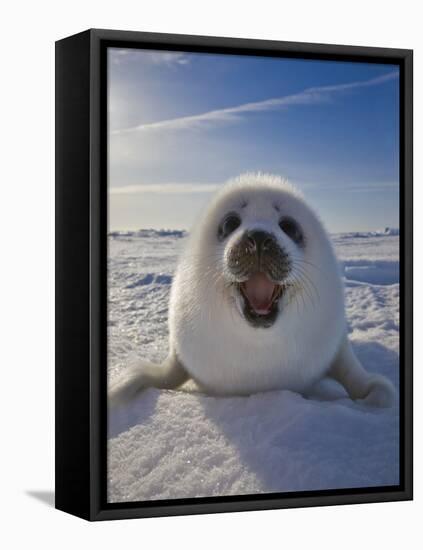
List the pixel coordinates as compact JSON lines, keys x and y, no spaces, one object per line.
{"x":259,"y":291}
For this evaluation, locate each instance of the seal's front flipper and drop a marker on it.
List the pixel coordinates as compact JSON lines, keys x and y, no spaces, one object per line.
{"x":372,"y":389}
{"x":168,"y":375}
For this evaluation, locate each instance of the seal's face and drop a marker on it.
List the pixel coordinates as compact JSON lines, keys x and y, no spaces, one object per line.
{"x":263,"y":243}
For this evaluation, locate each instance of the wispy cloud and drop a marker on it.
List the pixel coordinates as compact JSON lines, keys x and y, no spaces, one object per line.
{"x":309,"y":187}
{"x":379,"y":187}
{"x":165,"y":188}
{"x":119,"y":56}
{"x":308,"y":96}
{"x":349,"y":187}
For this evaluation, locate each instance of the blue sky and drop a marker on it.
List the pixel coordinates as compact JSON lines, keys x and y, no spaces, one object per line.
{"x":181,"y":124}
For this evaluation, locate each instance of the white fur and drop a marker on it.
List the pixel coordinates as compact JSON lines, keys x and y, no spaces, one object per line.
{"x":210,"y":339}
{"x":218,"y":348}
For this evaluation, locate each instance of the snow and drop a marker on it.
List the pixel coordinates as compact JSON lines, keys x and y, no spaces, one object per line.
{"x":179,"y":444}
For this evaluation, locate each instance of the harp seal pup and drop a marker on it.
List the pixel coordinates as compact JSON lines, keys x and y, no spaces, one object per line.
{"x":257,"y":303}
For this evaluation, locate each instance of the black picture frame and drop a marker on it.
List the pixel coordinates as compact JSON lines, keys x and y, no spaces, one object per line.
{"x":81,"y":276}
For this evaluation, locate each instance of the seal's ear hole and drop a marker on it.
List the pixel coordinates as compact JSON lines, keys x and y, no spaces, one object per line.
{"x":291,"y":228}
{"x":228,"y":225}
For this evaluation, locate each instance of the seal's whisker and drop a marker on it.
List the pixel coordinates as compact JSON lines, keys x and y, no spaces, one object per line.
{"x":308,"y":292}
{"x":305,"y":262}
{"x":308,"y":289}
{"x":306,"y":276}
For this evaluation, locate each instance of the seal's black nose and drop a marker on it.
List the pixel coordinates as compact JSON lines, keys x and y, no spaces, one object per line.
{"x":258,"y":240}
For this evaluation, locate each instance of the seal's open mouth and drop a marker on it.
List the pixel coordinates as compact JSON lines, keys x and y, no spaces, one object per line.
{"x":261,"y":293}
{"x":261,"y":296}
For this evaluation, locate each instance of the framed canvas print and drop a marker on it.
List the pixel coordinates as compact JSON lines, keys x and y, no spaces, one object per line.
{"x":233,"y":274}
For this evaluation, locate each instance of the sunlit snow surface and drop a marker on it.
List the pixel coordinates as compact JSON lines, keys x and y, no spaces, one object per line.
{"x":174,"y":444}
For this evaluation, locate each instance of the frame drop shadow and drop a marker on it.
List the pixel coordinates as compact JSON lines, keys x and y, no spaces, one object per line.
{"x":46,"y":497}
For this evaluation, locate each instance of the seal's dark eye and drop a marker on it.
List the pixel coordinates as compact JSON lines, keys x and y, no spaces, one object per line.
{"x":228,"y":225}
{"x":292,"y":230}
